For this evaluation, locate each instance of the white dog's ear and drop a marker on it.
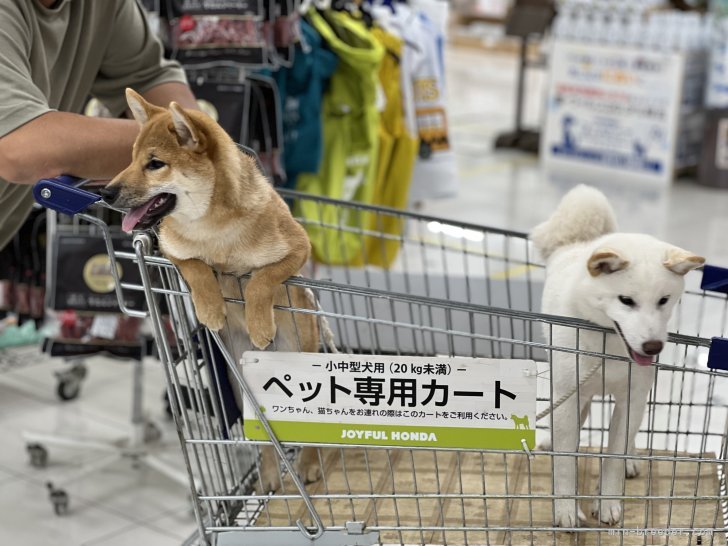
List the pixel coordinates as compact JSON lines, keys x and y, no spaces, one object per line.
{"x":140,"y":109}
{"x":681,"y":261}
{"x":188,"y":134}
{"x":605,"y":261}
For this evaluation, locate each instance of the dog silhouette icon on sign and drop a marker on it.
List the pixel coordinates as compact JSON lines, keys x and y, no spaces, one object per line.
{"x":520,"y":422}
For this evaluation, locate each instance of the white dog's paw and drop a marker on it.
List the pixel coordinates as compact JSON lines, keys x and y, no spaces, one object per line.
{"x":307,"y":465}
{"x":308,"y":471}
{"x":270,"y":479}
{"x":607,"y":511}
{"x":633,"y":468}
{"x":566,"y":514}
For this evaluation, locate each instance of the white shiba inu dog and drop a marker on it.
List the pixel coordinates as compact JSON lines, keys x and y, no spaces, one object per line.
{"x":625,"y":281}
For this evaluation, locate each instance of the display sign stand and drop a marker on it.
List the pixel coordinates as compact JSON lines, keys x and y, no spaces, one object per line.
{"x":528,"y":18}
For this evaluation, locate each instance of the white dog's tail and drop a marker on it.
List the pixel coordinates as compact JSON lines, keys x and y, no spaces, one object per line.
{"x":583,"y":214}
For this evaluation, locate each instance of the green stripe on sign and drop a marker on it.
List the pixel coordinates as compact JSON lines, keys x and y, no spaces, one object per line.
{"x":392,"y":435}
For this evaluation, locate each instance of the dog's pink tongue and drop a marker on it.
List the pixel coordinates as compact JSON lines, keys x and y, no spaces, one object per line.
{"x":131,"y":219}
{"x":642,"y":360}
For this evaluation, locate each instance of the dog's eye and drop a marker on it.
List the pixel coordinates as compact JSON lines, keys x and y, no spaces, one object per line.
{"x":154,"y":164}
{"x":629,"y":302}
{"x":663,"y":301}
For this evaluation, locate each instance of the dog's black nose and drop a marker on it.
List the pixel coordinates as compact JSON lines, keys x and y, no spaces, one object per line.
{"x":109,"y":193}
{"x":652,"y":348}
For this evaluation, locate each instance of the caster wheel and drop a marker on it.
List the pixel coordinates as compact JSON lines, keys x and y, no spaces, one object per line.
{"x":69,"y":381}
{"x":38,"y":455}
{"x":152,"y":433}
{"x":68,"y":389}
{"x":59,"y":499}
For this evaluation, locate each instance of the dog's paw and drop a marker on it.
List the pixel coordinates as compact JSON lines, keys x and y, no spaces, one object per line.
{"x":607,"y":511}
{"x":262,"y":332}
{"x":308,"y":470}
{"x":270,"y":478}
{"x":211,"y":312}
{"x":307,"y":465}
{"x":567,"y":514}
{"x":633,"y":468}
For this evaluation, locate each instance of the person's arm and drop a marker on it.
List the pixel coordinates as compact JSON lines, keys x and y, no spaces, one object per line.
{"x":62,"y":143}
{"x":41,"y":142}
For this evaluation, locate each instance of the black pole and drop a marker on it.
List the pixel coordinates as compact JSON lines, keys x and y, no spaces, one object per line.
{"x":521,"y":84}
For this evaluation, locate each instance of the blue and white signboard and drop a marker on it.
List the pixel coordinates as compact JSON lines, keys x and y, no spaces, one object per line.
{"x":612,"y":110}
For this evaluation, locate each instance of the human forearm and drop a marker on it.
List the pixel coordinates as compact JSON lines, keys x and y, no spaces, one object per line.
{"x":164,"y":93}
{"x":62,"y":143}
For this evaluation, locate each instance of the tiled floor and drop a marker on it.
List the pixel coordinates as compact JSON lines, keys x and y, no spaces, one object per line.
{"x":123,"y":506}
{"x":119,"y":505}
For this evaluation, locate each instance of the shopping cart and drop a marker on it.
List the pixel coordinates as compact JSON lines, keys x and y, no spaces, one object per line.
{"x":438,"y":288}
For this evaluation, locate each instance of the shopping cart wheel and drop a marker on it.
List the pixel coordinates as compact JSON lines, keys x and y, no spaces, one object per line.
{"x":38,"y":455}
{"x":59,"y":498}
{"x":69,"y":382}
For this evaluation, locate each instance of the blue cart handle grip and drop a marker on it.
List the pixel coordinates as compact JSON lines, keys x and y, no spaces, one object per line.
{"x":62,"y":195}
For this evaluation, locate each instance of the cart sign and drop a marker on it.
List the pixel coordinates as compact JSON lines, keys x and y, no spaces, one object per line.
{"x":392,"y":400}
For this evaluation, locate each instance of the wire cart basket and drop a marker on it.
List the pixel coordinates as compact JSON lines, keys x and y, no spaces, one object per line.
{"x":395,"y":283}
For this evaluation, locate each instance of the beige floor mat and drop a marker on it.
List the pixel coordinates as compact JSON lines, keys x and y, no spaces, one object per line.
{"x":438,"y":484}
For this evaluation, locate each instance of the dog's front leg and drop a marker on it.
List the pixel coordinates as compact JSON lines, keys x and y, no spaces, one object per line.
{"x":565,"y":439}
{"x":205,"y":290}
{"x":629,"y":408}
{"x":308,"y":466}
{"x":259,"y":294}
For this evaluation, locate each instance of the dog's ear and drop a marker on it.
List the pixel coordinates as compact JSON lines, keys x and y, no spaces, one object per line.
{"x":605,"y":261}
{"x":188,"y":134}
{"x":681,"y":261}
{"x":140,"y":108}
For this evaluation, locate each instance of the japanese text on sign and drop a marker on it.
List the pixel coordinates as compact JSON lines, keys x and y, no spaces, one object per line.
{"x":448,"y":402}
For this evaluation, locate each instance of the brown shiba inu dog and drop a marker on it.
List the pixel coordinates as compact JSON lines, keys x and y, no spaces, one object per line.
{"x":219,"y":213}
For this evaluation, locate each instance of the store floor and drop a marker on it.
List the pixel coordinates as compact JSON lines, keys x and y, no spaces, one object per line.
{"x":117,"y":506}
{"x":123,"y":506}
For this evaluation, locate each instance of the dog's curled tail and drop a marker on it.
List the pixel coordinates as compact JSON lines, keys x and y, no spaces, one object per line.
{"x":582,"y":215}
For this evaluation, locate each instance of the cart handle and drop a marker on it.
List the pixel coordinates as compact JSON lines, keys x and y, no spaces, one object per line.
{"x":715,"y":279}
{"x":62,"y":194}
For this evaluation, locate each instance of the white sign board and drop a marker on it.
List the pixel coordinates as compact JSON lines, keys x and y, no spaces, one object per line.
{"x":392,"y":400}
{"x":612,"y":110}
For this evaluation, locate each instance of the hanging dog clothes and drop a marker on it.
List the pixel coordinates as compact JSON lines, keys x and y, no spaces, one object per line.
{"x":350,"y":127}
{"x":397,"y":154}
{"x":301,"y":90}
{"x":423,"y":90}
